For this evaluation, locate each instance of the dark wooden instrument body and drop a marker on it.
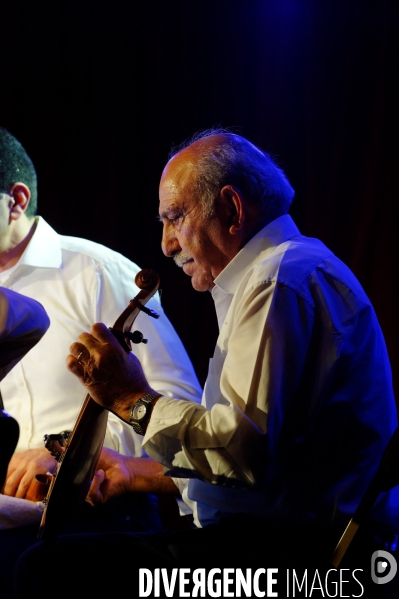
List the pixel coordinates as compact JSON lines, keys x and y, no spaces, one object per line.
{"x":69,"y":485}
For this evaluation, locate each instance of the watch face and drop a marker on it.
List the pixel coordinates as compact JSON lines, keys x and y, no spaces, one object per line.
{"x":139,"y":411}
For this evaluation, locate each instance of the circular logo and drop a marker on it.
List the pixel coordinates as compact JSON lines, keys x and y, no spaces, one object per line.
{"x":383,"y":567}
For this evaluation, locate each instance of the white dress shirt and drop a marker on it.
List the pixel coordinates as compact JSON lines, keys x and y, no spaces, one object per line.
{"x":298,"y":404}
{"x":79,"y":283}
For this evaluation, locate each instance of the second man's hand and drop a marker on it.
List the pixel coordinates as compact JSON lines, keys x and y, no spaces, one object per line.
{"x":23,"y":468}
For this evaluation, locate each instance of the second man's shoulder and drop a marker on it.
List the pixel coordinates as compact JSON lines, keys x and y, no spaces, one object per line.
{"x":96,"y":252}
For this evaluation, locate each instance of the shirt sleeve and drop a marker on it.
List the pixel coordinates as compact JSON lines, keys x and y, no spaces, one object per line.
{"x":224,"y":440}
{"x":293,"y":367}
{"x":23,"y":322}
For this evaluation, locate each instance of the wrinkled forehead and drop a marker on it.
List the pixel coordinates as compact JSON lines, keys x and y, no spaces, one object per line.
{"x":177,"y":177}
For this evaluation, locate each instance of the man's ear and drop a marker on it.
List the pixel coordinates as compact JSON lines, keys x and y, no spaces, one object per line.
{"x":233,"y":205}
{"x":20,"y":194}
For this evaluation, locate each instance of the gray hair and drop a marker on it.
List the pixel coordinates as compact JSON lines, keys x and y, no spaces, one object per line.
{"x":233,"y":160}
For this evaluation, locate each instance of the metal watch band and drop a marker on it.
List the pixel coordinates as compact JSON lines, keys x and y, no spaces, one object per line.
{"x":146,"y":399}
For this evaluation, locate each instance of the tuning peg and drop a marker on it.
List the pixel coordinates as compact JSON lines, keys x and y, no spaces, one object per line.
{"x":136,"y":337}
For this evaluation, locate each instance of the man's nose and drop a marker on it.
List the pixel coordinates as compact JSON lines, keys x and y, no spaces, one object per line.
{"x":170,"y":244}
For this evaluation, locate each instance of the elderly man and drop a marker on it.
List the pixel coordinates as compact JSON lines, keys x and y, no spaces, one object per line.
{"x":298,"y":404}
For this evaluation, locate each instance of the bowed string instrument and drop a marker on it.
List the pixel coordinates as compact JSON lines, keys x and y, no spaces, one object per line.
{"x":77,"y":451}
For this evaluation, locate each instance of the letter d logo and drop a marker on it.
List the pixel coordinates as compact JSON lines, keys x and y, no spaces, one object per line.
{"x":383,"y":567}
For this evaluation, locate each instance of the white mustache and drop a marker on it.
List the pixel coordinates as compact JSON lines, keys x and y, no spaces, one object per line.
{"x":180,"y":259}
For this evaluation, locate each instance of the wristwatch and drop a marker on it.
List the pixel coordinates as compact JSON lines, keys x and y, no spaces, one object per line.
{"x":140,"y":412}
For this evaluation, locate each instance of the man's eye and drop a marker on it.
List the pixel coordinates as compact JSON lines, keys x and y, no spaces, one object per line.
{"x":171,"y":219}
{"x":175,"y":219}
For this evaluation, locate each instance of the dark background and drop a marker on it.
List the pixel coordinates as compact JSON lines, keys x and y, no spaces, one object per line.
{"x":99,"y":92}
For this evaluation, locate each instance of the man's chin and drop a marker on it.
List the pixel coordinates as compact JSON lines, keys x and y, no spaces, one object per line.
{"x":201,"y":284}
{"x":199,"y":281}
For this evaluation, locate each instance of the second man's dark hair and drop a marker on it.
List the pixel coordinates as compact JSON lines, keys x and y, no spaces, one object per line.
{"x":16,"y":166}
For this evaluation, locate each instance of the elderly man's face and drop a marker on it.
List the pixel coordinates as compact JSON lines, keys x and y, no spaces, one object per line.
{"x":196,"y":242}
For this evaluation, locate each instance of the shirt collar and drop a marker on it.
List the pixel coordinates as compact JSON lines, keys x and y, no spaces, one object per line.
{"x":43,"y":250}
{"x":265,"y":241}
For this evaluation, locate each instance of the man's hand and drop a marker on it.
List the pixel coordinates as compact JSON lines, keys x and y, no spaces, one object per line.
{"x":23,"y":468}
{"x":112,"y":478}
{"x":114,"y":378}
{"x":117,"y":474}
